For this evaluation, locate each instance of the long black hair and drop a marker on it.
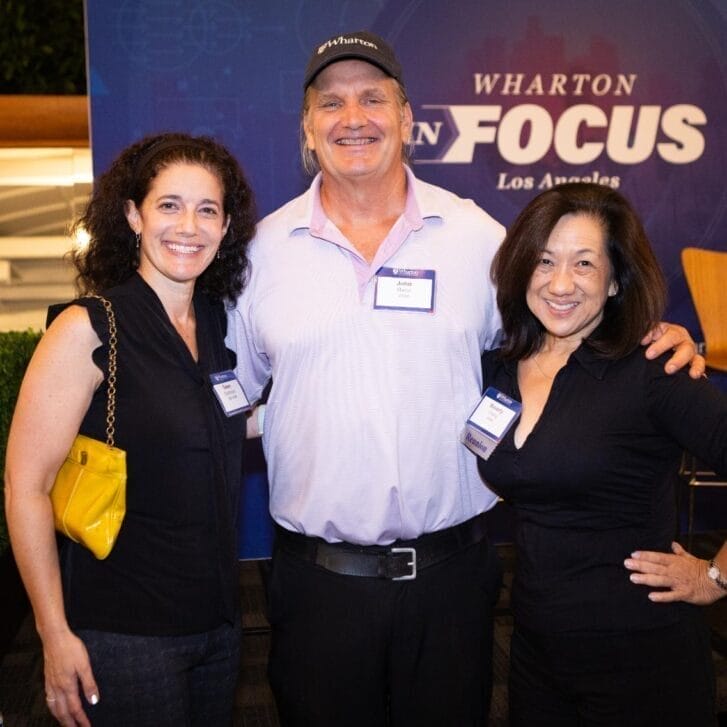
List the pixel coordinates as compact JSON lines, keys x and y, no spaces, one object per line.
{"x":628,"y":315}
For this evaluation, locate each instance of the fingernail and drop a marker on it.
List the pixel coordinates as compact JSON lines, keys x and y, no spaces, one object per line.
{"x":671,"y":368}
{"x":94,"y":699}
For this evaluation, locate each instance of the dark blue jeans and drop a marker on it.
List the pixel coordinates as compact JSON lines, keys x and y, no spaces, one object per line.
{"x":162,"y":681}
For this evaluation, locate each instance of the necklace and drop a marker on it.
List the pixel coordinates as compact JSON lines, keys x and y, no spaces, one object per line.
{"x":535,"y":359}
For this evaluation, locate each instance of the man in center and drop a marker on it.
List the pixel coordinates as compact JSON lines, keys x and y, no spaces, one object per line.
{"x":369,"y":303}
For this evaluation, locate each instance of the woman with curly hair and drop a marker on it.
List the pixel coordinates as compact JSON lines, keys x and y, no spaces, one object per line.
{"x":151,"y":634}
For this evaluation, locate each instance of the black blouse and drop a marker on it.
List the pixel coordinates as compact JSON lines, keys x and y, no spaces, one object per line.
{"x":173,"y":568}
{"x":594,"y":481}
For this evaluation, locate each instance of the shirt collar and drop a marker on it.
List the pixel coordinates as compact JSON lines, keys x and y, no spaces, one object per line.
{"x":317,"y":218}
{"x":593,"y":363}
{"x":429,"y":199}
{"x":420,"y":204}
{"x":412,"y":214}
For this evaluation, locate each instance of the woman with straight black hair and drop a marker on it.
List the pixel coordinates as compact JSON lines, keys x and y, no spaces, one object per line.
{"x":589,"y":469}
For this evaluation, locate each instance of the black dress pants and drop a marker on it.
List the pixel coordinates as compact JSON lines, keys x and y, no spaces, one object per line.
{"x":660,"y":677}
{"x":351,"y":651}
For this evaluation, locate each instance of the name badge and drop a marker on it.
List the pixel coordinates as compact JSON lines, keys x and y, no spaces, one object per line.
{"x":229,"y":393}
{"x":404,"y":289}
{"x":489,"y":422}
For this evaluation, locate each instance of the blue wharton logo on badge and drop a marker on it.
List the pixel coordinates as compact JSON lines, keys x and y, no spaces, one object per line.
{"x":408,"y":273}
{"x":506,"y":400}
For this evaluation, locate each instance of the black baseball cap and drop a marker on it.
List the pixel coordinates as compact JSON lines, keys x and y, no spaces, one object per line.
{"x":362,"y":45}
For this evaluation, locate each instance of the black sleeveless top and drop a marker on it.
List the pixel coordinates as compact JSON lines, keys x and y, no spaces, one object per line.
{"x":173,"y":568}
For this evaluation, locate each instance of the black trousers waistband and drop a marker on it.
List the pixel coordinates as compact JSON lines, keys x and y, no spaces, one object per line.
{"x":399,"y":561}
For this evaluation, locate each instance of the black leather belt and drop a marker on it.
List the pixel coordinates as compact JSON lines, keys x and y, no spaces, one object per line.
{"x":399,"y":561}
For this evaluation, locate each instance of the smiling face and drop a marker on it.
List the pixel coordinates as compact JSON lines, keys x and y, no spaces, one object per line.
{"x":572,"y":280}
{"x":181,"y":222}
{"x":356,"y":122}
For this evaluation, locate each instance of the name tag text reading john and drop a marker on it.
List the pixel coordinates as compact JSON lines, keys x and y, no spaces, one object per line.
{"x":404,"y":289}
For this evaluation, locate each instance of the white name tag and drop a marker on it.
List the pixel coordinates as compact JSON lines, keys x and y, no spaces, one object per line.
{"x":404,"y":289}
{"x":489,"y":422}
{"x":229,"y":393}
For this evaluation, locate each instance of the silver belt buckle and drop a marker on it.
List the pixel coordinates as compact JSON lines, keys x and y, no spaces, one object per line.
{"x":412,"y":564}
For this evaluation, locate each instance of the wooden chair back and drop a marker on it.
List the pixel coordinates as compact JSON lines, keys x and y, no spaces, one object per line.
{"x":706,"y":274}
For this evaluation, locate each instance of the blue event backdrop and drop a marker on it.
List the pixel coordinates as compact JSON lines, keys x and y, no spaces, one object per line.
{"x":509,"y":95}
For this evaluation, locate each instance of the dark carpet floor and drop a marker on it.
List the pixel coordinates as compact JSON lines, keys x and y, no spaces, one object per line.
{"x":21,"y":670}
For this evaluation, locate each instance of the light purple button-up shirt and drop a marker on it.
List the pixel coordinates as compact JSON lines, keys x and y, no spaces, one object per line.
{"x":363,"y":421}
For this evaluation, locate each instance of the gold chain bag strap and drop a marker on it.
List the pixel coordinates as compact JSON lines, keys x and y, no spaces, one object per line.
{"x":89,"y":493}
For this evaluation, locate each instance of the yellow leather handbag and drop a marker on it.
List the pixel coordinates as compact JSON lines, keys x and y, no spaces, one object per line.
{"x":89,"y":493}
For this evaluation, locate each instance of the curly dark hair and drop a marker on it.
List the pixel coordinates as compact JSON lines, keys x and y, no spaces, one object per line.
{"x":628,"y":315}
{"x":111,"y":256}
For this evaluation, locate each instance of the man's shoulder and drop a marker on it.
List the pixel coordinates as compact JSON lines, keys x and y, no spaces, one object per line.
{"x":285,"y":216}
{"x":278,"y":226}
{"x":438,"y":201}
